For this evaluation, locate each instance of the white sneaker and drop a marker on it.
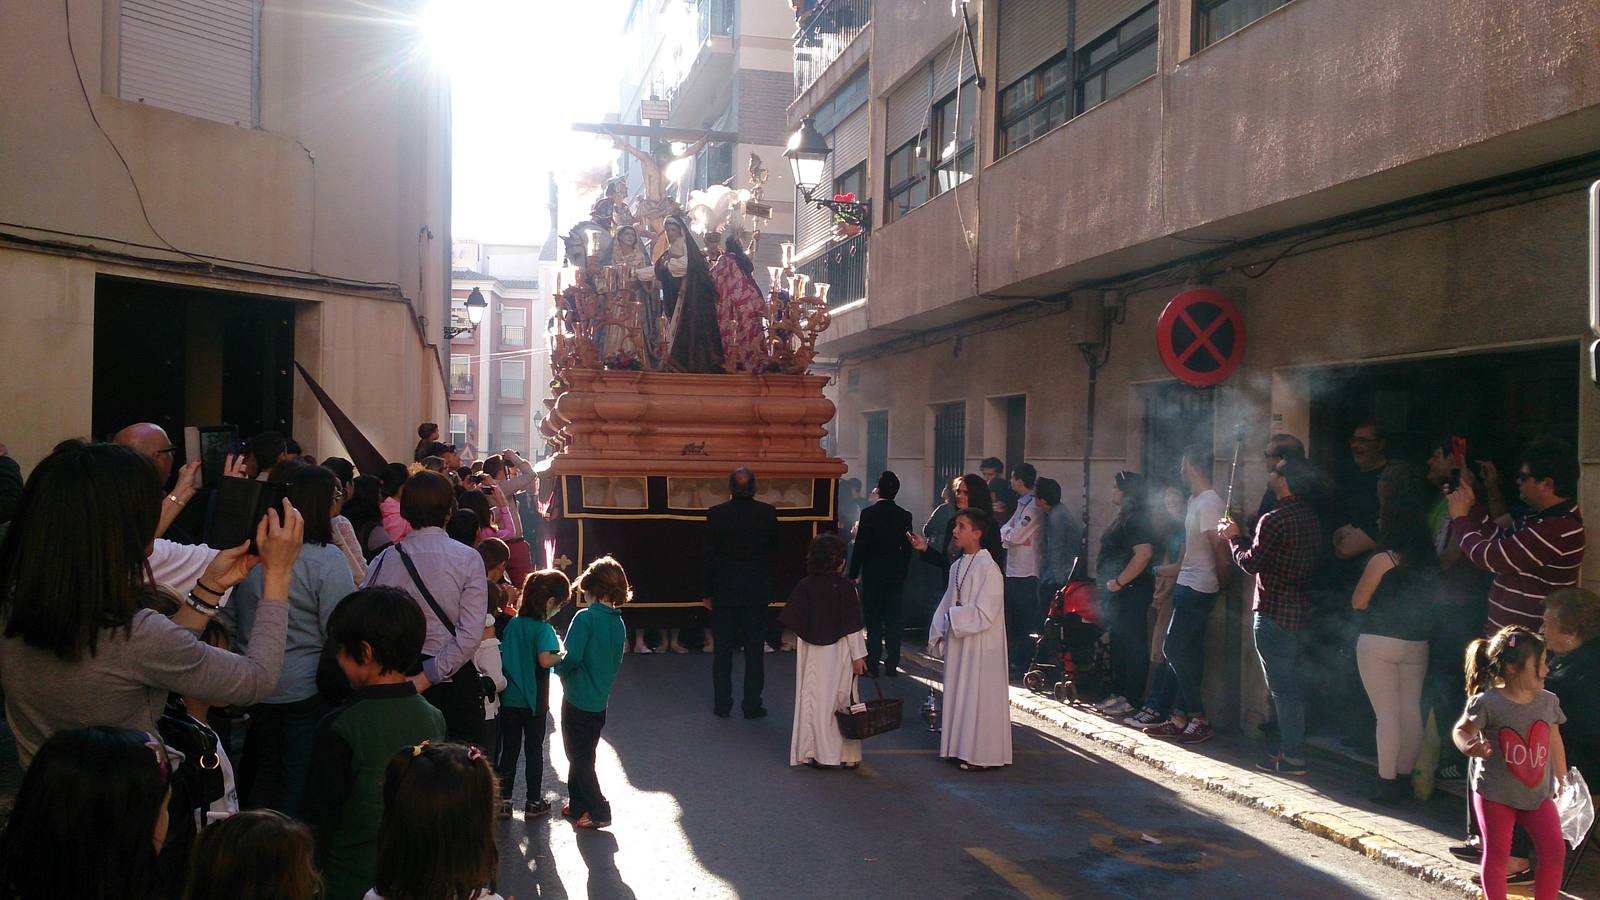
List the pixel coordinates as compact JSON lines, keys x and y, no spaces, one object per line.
{"x":1121,"y":709}
{"x":1110,"y":703}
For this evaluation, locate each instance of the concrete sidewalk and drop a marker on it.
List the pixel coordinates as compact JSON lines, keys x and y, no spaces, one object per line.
{"x":1328,"y":803}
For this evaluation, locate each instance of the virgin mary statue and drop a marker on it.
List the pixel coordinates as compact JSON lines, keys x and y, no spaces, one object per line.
{"x":689,"y":296}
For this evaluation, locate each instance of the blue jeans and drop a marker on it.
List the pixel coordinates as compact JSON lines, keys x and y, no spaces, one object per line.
{"x":1178,"y":679}
{"x":1280,"y":662}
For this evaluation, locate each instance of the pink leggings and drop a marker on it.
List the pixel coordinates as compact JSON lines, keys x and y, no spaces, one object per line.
{"x":1543,"y":825}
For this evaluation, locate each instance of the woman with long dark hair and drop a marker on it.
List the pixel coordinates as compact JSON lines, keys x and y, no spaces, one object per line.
{"x":277,"y":748}
{"x":969,"y":492}
{"x":1126,"y":589}
{"x":1394,"y":601}
{"x":689,"y":296}
{"x":89,"y":818}
{"x":741,"y":309}
{"x":80,"y":646}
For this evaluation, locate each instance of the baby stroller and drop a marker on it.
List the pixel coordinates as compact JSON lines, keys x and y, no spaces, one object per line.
{"x":1071,"y":652}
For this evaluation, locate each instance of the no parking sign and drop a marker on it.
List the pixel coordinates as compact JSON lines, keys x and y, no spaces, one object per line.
{"x":1200,"y":336}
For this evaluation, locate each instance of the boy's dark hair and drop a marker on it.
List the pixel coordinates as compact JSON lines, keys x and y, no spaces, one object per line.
{"x":428,"y":501}
{"x":1549,"y":458}
{"x":992,"y":462}
{"x":437,"y":836}
{"x":292,"y":446}
{"x":825,"y":555}
{"x":1027,"y":474}
{"x":541,"y":590}
{"x":426,"y":429}
{"x":266,"y":447}
{"x":981,"y":519}
{"x":258,"y":854}
{"x":495,"y":466}
{"x":494,"y":552}
{"x":888,"y":485}
{"x":1048,"y":490}
{"x":83,"y":817}
{"x":387,"y":620}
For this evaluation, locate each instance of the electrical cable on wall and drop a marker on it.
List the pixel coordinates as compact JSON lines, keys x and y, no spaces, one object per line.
{"x":89,"y":104}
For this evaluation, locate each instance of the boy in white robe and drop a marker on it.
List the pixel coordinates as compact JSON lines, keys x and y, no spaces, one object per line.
{"x":969,"y":631}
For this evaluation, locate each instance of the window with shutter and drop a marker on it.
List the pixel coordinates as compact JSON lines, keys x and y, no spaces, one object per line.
{"x":197,"y":57}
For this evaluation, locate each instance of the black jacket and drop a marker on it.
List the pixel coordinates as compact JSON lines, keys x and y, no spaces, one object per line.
{"x":881,"y":553}
{"x":1575,"y":680}
{"x":741,"y":552}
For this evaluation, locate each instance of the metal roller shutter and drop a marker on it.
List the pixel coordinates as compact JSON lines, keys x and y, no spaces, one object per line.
{"x":949,"y":67}
{"x":849,"y":141}
{"x":193,"y":56}
{"x":814,"y":224}
{"x":1031,"y":31}
{"x":908,"y":110}
{"x":1096,"y":17}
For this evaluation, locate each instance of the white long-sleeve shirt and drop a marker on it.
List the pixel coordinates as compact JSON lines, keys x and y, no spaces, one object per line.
{"x":1021,"y":539}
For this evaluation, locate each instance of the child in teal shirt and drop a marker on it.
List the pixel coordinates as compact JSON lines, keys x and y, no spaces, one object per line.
{"x":528,"y":650}
{"x":594,"y":654}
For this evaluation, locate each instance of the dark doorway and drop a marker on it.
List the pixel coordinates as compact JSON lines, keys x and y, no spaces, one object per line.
{"x":1498,"y":401}
{"x":1175,"y":416}
{"x":877,"y":445}
{"x":949,"y":445}
{"x":1016,"y":430}
{"x":180,"y":356}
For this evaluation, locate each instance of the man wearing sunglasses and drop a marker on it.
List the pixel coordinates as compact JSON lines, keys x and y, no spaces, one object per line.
{"x":1534,"y":554}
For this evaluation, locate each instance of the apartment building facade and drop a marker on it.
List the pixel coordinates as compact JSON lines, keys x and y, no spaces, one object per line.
{"x":1392,"y":195}
{"x":499,"y":371}
{"x":717,"y":65}
{"x":199,"y":196}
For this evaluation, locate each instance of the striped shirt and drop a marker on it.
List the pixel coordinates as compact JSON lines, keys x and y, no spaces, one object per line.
{"x":1539,"y":554}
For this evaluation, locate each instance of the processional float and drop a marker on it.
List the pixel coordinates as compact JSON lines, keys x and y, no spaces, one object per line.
{"x":640,"y":452}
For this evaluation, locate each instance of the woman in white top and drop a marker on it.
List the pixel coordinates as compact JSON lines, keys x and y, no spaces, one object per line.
{"x":969,"y":631}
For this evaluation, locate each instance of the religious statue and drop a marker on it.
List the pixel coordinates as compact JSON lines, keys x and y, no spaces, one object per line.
{"x":694,"y":340}
{"x":653,"y":205}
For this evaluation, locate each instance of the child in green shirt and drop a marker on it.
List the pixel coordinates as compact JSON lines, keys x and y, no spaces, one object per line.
{"x":594,"y":654}
{"x":528,"y":650}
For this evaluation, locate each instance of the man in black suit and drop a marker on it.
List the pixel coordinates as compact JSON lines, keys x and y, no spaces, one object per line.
{"x":741,"y":555}
{"x":880,"y":562}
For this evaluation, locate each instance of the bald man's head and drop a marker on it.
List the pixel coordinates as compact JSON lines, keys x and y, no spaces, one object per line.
{"x":152,"y":441}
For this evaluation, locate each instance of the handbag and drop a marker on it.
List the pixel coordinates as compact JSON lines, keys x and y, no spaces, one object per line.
{"x":873,"y":717}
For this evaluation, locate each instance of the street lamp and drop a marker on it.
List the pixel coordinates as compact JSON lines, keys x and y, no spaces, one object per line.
{"x":475,"y":306}
{"x":807,"y":153}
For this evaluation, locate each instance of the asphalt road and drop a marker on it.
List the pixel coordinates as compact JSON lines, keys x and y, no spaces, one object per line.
{"x":708,"y":807}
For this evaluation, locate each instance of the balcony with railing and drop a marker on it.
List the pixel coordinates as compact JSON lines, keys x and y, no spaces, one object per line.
{"x":823,"y":35}
{"x":460,"y":384}
{"x":699,"y":63}
{"x":844,"y":266}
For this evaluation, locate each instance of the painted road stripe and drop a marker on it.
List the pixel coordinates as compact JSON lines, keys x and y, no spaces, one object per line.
{"x":1031,"y":887}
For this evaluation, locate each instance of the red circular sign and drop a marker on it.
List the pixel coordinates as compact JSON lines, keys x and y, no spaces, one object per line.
{"x":1201,"y":337}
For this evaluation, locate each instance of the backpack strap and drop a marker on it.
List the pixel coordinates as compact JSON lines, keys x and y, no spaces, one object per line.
{"x":427,"y":596}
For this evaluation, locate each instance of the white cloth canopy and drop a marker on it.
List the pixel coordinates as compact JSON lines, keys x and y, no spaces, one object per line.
{"x":821,"y":686}
{"x":969,"y":628}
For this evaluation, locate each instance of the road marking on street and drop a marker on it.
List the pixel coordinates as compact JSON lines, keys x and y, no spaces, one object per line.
{"x":1029,"y":886}
{"x":1146,"y":841}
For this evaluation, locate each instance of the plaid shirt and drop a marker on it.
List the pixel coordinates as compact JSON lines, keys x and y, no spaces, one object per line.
{"x":1287,"y":543}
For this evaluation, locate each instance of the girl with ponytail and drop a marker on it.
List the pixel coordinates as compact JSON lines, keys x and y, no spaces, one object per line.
{"x":1511,"y":732}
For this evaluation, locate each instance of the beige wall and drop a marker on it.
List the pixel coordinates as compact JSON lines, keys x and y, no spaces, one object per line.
{"x":338,"y":81}
{"x":1494,"y":278}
